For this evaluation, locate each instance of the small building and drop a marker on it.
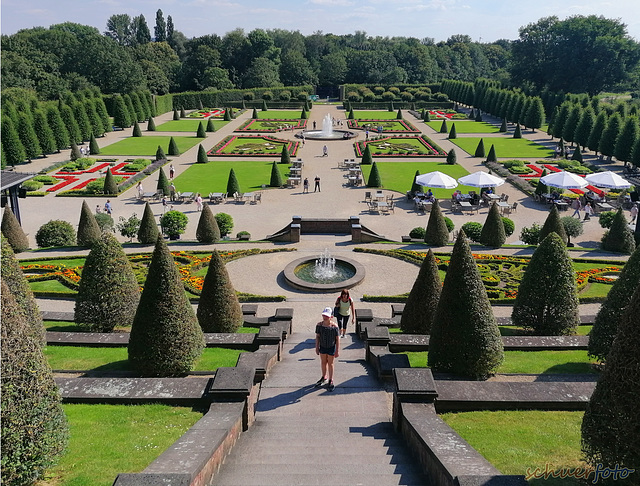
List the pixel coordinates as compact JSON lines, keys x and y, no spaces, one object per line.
{"x":11,"y":191}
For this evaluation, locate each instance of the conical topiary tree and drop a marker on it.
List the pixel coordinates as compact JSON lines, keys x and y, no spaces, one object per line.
{"x":173,"y":147}
{"x":619,"y":238}
{"x":452,"y":158}
{"x":417,"y":317}
{"x":493,"y":233}
{"x":160,"y":154}
{"x":285,"y":158}
{"x":478,"y":117}
{"x":464,"y":339}
{"x":541,"y":187}
{"x":553,"y":223}
{"x":399,"y":115}
{"x":136,"y":130}
{"x":303,"y":114}
{"x":415,"y":187}
{"x":75,"y":152}
{"x":165,"y":336}
{"x":163,"y":183}
{"x":88,"y":229}
{"x":453,"y":133}
{"x":367,"y":158}
{"x":176,"y":115}
{"x":374,"y":177}
{"x":427,"y":116}
{"x":94,"y":148}
{"x":492,"y":157}
{"x":201,"y":132}
{"x":202,"y":155}
{"x":34,"y":426}
{"x":391,"y":108}
{"x":109,"y":292}
{"x":437,"y":233}
{"x":151,"y":125}
{"x":219,"y":309}
{"x":503,"y":127}
{"x":211,"y":126}
{"x":547,"y":300}
{"x":351,"y":115}
{"x":14,"y":278}
{"x":517,"y":132}
{"x":254,"y":114}
{"x":121,"y":115}
{"x":207,"y":231}
{"x":443,"y":127}
{"x":276,"y":176}
{"x":183,"y":114}
{"x":610,"y":423}
{"x":264,"y":105}
{"x":610,"y":314}
{"x":110,"y":186}
{"x":148,"y":231}
{"x":13,"y":232}
{"x":480,"y":149}
{"x":233,"y":185}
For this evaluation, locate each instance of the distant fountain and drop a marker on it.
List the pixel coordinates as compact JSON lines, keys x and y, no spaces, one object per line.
{"x":324,"y":273}
{"x":327,"y":132}
{"x":327,"y":126}
{"x":325,"y":267}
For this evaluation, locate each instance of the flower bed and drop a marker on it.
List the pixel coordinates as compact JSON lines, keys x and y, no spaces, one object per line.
{"x":252,"y":145}
{"x":272,"y":125}
{"x":388,"y":126}
{"x":213,"y":113}
{"x":421,"y":146}
{"x":66,"y":180}
{"x":448,"y":114}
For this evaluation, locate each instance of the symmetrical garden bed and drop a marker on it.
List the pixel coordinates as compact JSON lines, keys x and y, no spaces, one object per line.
{"x":466,"y":126}
{"x":207,"y":113}
{"x":421,"y":146}
{"x":272,"y":125}
{"x":505,"y":147}
{"x":382,"y":126}
{"x":252,"y":145}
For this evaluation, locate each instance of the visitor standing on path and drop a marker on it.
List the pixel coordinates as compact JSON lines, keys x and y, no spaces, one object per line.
{"x":327,"y":347}
{"x":140,"y":190}
{"x":172,"y":171}
{"x":576,"y":206}
{"x":199,"y":202}
{"x":317,"y":185}
{"x":343,"y":309}
{"x":305,"y":186}
{"x":325,"y":151}
{"x":634,"y":212}
{"x":587,"y":212}
{"x":172,"y":192}
{"x":107,"y":207}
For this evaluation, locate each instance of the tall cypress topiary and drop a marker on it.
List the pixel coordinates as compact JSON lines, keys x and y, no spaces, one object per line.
{"x":163,"y":182}
{"x":43,"y":132}
{"x":493,"y":233}
{"x":60,"y":132}
{"x":110,"y":186}
{"x":219,"y":309}
{"x":202,"y":155}
{"x":367,"y":158}
{"x":165,"y":336}
{"x":351,"y":115}
{"x":399,"y":115}
{"x":264,"y":105}
{"x":160,"y":154}
{"x":276,"y":176}
{"x":437,"y":233}
{"x":610,"y":424}
{"x":254,"y":114}
{"x":173,"y":147}
{"x":148,"y":231}
{"x":547,"y":300}
{"x":610,"y":314}
{"x":176,"y":115}
{"x":211,"y":126}
{"x":72,"y":125}
{"x":13,"y":232}
{"x":503,"y":127}
{"x":374,"y":177}
{"x":88,"y":229}
{"x":207,"y":231}
{"x":233,"y":185}
{"x":415,"y":187}
{"x":201,"y":132}
{"x":28,"y":136}
{"x":94,"y":148}
{"x":443,"y":127}
{"x":227,"y":115}
{"x":417,"y":317}
{"x":14,"y":278}
{"x":151,"y":125}
{"x":109,"y":291}
{"x":453,"y":133}
{"x":619,"y":238}
{"x":285,"y":158}
{"x":452,"y":158}
{"x":183,"y":114}
{"x":518,"y":131}
{"x":83,"y":120}
{"x":136,"y":130}
{"x":75,"y":152}
{"x":553,"y":223}
{"x":34,"y":426}
{"x":465,"y":339}
{"x":12,"y":147}
{"x":492,"y":157}
{"x":121,"y":117}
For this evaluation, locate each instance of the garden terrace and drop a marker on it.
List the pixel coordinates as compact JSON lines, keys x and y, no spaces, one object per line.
{"x":388,"y":126}
{"x":187,"y":125}
{"x":238,"y":146}
{"x":147,"y":145}
{"x":467,"y":126}
{"x":505,"y":147}
{"x":272,"y":125}
{"x":420,"y":146}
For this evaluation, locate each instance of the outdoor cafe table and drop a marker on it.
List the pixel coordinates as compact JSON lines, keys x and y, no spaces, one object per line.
{"x":186,"y":195}
{"x":493,"y":197}
{"x":382,"y":205}
{"x":248,"y":196}
{"x":216,"y":197}
{"x":503,"y":206}
{"x":379,"y":195}
{"x":148,"y":195}
{"x":561,"y":205}
{"x":295,"y":169}
{"x":605,"y":206}
{"x":466,"y":206}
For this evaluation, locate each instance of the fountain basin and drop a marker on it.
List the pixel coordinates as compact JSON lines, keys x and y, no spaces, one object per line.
{"x":295,"y":272}
{"x":322,"y":135}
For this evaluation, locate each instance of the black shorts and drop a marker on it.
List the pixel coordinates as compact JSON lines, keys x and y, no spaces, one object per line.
{"x":330,"y":351}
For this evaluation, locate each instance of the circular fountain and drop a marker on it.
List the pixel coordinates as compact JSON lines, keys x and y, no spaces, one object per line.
{"x":324,"y":273}
{"x":327,"y":132}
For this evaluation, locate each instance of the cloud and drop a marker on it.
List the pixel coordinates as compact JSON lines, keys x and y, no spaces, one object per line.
{"x":333,"y":3}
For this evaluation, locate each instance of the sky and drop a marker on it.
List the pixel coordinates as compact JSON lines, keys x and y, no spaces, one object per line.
{"x":483,"y":20}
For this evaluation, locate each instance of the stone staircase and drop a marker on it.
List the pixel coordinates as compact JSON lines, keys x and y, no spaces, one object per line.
{"x":304,"y":435}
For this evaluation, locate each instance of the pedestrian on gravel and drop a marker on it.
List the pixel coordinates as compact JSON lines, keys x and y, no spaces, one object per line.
{"x":316,"y":187}
{"x":343,"y":310}
{"x":325,"y":151}
{"x":305,"y":186}
{"x":576,"y":206}
{"x":588,"y":211}
{"x":327,"y":347}
{"x":172,"y":171}
{"x":634,"y":212}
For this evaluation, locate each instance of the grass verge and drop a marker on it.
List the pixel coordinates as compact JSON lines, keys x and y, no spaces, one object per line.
{"x":505,"y":147}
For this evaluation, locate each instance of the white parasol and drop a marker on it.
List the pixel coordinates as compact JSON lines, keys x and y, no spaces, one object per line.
{"x":608,"y":179}
{"x":564,"y":180}
{"x":437,"y":180}
{"x":481,"y":179}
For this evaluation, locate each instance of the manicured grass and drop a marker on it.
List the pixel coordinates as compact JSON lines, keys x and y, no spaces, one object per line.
{"x":148,"y":145}
{"x":398,"y":176}
{"x":399,"y":146}
{"x":518,"y":331}
{"x":106,"y":440}
{"x":376,"y":114}
{"x":463,"y":126}
{"x":213,"y":176}
{"x":514,"y":441}
{"x":505,"y":146}
{"x":271,"y":125}
{"x":67,"y":262}
{"x":115,"y":359}
{"x":280,"y":114}
{"x":387,"y":125}
{"x":49,"y":286}
{"x":530,"y":362}
{"x":70,"y":326}
{"x":188,"y":125}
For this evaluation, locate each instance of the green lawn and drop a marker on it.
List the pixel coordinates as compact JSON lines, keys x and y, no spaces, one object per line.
{"x":399,"y":146}
{"x":213,"y":177}
{"x":466,"y":126}
{"x":532,"y":362}
{"x":518,"y":331}
{"x":375,"y":114}
{"x":505,"y":146}
{"x":106,"y":440}
{"x":252,"y":145}
{"x":387,"y":125}
{"x":115,"y":359}
{"x":148,"y":145}
{"x":399,"y":176}
{"x":515,"y":441}
{"x":280,"y":114}
{"x":188,"y":125}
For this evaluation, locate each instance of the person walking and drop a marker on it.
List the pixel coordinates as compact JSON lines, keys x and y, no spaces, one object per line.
{"x":172,"y":171}
{"x":576,"y":206}
{"x":316,"y":187}
{"x":327,"y":347}
{"x":343,"y":310}
{"x":198,"y":202}
{"x":588,"y":211}
{"x":325,"y":151}
{"x":172,"y":192}
{"x":107,"y":207}
{"x":305,"y":186}
{"x":140,"y":190}
{"x":634,"y":212}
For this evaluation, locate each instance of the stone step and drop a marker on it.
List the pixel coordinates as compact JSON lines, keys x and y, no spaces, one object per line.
{"x":343,"y":457}
{"x":318,"y":444}
{"x":316,"y":479}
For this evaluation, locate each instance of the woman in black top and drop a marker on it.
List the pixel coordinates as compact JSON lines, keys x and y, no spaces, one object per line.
{"x":327,"y":347}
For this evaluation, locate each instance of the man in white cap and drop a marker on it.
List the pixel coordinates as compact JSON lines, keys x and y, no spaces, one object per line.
{"x":327,"y":347}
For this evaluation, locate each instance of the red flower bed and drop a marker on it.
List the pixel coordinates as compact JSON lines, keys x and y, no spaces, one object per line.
{"x":551,"y":168}
{"x":82,"y":184}
{"x":536,"y":169}
{"x":97,"y":168}
{"x":116,"y":170}
{"x":65,"y":182}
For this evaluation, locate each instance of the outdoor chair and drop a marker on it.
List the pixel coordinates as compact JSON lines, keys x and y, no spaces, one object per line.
{"x":367,"y":196}
{"x":506,"y":198}
{"x":257,"y":198}
{"x":390,"y":206}
{"x":514,"y":207}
